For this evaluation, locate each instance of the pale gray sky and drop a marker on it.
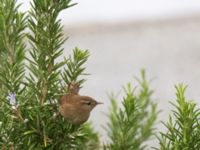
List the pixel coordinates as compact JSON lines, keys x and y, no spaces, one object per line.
{"x":116,"y":10}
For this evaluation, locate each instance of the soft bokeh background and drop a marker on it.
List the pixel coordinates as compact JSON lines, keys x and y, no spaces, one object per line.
{"x":162,"y":36}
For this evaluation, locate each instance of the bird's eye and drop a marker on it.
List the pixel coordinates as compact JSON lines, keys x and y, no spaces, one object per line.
{"x":88,"y":103}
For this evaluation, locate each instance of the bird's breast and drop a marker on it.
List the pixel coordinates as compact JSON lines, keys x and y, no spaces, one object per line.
{"x":72,"y":114}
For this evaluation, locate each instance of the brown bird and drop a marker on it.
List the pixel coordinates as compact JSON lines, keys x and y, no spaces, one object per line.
{"x":75,"y":108}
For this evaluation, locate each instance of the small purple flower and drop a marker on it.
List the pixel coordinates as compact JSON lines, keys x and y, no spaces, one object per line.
{"x":12,"y":99}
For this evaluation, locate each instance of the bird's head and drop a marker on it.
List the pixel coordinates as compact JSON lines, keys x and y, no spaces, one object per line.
{"x":88,"y":103}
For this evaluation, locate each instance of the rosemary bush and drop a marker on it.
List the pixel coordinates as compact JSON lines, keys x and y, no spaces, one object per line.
{"x":133,"y":124}
{"x":32,"y":79}
{"x":183,"y":128}
{"x":29,"y":118}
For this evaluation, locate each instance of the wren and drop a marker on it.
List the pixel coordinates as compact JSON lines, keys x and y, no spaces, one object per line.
{"x":76,"y":108}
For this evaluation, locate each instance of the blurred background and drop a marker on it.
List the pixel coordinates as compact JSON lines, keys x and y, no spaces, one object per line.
{"x":161,"y":36}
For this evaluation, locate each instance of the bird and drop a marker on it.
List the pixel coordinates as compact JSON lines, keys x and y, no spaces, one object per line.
{"x":76,"y":108}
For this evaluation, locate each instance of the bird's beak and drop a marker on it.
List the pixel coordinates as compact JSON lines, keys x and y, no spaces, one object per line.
{"x":99,"y":103}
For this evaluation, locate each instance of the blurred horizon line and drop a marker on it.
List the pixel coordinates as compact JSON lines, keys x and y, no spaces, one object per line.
{"x":130,"y":22}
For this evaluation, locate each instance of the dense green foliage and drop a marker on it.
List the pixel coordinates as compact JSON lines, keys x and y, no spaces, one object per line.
{"x":132,"y":125}
{"x":12,"y":48}
{"x":29,"y":117}
{"x":183,"y":128}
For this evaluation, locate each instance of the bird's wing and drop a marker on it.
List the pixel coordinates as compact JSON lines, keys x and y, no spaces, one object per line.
{"x":64,"y":99}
